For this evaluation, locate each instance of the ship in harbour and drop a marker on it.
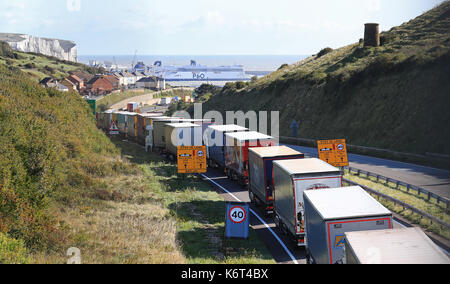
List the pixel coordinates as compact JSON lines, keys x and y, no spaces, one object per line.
{"x":195,"y":72}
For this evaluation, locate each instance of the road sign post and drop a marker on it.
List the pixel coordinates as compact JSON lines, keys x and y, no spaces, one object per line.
{"x":334,"y":152}
{"x":113,"y":129}
{"x":93,"y":105}
{"x":237,"y":220}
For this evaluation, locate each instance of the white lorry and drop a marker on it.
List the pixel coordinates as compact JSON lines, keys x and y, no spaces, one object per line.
{"x":290,"y":179}
{"x":330,"y":213}
{"x":402,"y":246}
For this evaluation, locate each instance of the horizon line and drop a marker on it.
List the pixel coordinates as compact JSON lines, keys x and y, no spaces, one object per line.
{"x":195,"y":55}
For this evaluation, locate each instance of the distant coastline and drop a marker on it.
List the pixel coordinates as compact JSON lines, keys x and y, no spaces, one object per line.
{"x":250,"y":62}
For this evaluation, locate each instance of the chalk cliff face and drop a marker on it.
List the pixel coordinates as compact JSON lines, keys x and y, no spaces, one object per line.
{"x":62,"y":49}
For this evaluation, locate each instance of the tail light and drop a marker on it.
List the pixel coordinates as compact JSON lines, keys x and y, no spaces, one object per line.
{"x":269,"y":193}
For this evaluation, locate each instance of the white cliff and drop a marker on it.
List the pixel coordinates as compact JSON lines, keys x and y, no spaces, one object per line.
{"x":62,"y":49}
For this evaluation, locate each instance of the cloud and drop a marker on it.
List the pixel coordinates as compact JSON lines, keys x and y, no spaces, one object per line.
{"x":374,"y":5}
{"x":73,"y":5}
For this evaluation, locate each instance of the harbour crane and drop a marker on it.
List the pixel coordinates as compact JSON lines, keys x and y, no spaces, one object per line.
{"x":134,"y":60}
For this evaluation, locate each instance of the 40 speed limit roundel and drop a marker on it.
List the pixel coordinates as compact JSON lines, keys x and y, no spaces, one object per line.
{"x":237,"y":215}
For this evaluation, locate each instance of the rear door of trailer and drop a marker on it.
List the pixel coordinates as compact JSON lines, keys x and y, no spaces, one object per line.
{"x":268,"y":171}
{"x":335,"y":230}
{"x":310,"y":183}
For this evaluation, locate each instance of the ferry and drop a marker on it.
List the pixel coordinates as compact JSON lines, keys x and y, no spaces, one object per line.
{"x":196,"y":72}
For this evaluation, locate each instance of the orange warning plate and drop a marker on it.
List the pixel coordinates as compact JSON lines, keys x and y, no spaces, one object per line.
{"x":192,"y":160}
{"x":334,"y":152}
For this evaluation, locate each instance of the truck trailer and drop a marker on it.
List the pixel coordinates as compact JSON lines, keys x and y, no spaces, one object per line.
{"x":260,"y":161}
{"x":204,"y":123}
{"x":215,"y":142}
{"x":236,"y":152}
{"x":330,"y":213}
{"x":182,"y":134}
{"x":159,"y":132}
{"x":143,"y":121}
{"x":291,"y":178}
{"x":402,"y":246}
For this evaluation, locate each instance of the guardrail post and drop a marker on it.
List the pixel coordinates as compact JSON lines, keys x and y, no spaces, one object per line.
{"x":407,"y":187}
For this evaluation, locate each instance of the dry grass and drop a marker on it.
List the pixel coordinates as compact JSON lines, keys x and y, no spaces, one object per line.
{"x":150,"y":215}
{"x":127,"y":225}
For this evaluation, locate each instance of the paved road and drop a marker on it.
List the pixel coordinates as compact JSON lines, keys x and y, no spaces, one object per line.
{"x":282,"y":249}
{"x":287,"y":254}
{"x":431,"y":179}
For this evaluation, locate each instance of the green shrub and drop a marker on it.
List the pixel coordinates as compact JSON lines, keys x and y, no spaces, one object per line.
{"x":283,"y":66}
{"x":30,"y":65}
{"x":12,"y":251}
{"x":324,"y":51}
{"x":5,"y":50}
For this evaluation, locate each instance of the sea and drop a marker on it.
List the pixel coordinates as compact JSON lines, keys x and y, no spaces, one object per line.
{"x":267,"y":63}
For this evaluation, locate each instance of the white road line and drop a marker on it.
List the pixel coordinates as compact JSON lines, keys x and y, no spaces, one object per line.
{"x":259,"y":218}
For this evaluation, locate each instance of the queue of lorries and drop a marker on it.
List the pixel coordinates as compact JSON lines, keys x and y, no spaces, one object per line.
{"x":306,"y":197}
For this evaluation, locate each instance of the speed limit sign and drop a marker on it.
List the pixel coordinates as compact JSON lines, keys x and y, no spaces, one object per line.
{"x":237,"y":220}
{"x":237,"y":215}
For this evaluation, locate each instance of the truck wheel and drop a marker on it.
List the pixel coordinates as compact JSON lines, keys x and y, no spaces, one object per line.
{"x":281,"y":225}
{"x":251,"y":195}
{"x":277,"y":221}
{"x":267,"y":214}
{"x":309,"y":258}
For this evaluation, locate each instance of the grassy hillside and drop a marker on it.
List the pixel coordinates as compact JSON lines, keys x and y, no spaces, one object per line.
{"x":64,"y":183}
{"x":395,"y":96}
{"x":45,"y":159}
{"x":59,"y":175}
{"x":39,"y":66}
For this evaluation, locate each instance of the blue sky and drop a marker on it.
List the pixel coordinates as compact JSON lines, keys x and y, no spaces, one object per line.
{"x":205,"y":27}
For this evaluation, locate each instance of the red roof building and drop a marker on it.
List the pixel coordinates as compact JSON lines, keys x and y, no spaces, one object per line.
{"x":114,"y":81}
{"x":99,"y":85}
{"x":77,"y":81}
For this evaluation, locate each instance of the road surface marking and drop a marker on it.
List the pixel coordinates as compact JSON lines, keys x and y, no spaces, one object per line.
{"x":259,"y":218}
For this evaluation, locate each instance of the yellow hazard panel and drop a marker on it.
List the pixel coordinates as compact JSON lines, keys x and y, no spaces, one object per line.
{"x":192,"y":159}
{"x":334,"y":152}
{"x":339,"y":241}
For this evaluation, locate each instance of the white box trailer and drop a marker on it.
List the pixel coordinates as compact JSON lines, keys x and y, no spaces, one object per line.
{"x":166,"y":101}
{"x":215,"y":142}
{"x":159,"y":132}
{"x":204,"y":123}
{"x":330,"y":213}
{"x":236,"y":152}
{"x":291,"y":178}
{"x":403,"y":246}
{"x":182,"y":134}
{"x":260,"y":163}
